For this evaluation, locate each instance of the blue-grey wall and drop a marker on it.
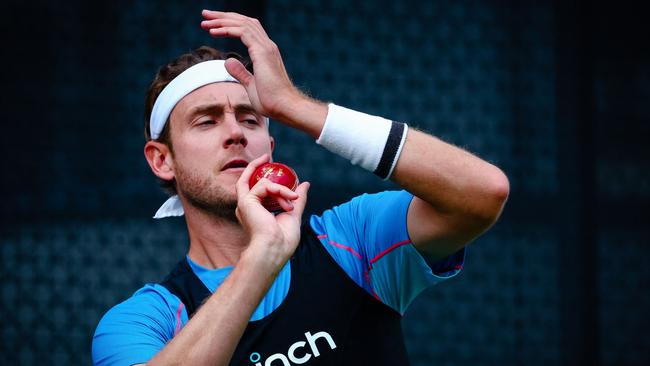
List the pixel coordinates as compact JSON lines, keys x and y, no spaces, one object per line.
{"x":555,"y":94}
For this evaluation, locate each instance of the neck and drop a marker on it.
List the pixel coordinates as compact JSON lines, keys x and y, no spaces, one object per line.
{"x":215,"y":241}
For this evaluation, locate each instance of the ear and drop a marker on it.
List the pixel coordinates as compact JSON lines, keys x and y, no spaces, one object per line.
{"x":160,"y":159}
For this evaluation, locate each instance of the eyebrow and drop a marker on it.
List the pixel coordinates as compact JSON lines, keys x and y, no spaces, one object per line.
{"x":206,"y":108}
{"x":217,"y":109}
{"x":246,"y":108}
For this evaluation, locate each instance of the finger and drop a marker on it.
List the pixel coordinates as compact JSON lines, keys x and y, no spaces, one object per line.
{"x":220,"y":22}
{"x":229,"y":32}
{"x":300,"y":203}
{"x":246,"y":33}
{"x":239,"y":72}
{"x":286,"y":205}
{"x":213,"y":14}
{"x":281,"y":192}
{"x":266,"y":191}
{"x":242,"y":182}
{"x":235,"y":20}
{"x":265,"y":188}
{"x":246,"y":36}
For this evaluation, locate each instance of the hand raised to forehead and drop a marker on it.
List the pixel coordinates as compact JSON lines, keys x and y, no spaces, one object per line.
{"x":270,"y":90}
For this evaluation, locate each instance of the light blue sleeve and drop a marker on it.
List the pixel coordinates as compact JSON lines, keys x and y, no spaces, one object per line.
{"x":133,"y":331}
{"x":368,"y":238}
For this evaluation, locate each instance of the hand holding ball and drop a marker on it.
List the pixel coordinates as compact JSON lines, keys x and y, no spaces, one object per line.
{"x":276,"y":173}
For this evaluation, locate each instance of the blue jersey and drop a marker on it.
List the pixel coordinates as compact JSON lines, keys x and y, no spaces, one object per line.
{"x":367,"y":237}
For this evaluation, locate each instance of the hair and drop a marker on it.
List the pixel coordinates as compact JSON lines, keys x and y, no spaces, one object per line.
{"x":163,"y":77}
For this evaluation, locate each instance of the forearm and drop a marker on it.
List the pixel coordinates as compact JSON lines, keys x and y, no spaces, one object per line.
{"x":303,"y":113}
{"x":214,"y":331}
{"x":450,"y":179}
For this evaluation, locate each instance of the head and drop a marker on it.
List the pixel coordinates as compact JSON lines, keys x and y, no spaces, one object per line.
{"x":209,"y":135}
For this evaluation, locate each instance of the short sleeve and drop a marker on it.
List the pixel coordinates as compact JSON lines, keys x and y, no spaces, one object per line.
{"x":368,"y":238}
{"x":133,"y":331}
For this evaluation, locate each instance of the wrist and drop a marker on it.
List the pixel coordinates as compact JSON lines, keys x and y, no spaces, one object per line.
{"x":266,"y":257}
{"x":302,"y":112}
{"x":372,"y":142}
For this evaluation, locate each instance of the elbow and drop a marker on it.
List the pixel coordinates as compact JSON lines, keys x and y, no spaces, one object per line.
{"x":500,"y":189}
{"x":497,"y":190}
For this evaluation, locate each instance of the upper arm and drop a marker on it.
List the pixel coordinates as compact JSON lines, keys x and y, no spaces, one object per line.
{"x":438,"y":234}
{"x":368,"y":237}
{"x":133,"y":331}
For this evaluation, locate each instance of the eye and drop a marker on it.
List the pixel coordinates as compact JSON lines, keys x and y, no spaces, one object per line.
{"x":205,"y":122}
{"x":251,"y":121}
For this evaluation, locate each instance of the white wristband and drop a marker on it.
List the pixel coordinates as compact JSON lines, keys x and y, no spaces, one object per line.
{"x":372,"y":142}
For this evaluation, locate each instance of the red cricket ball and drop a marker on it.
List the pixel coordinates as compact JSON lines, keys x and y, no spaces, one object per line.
{"x":276,"y":173}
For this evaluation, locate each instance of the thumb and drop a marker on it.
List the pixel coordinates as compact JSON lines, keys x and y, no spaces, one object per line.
{"x":299,"y":204}
{"x":238,"y":71}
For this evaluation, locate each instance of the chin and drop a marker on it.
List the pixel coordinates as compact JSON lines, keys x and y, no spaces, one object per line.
{"x":229,"y":194}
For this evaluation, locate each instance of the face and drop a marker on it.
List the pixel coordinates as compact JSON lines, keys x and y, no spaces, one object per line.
{"x":215,"y":132}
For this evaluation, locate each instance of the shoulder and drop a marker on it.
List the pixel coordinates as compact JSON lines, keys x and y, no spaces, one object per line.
{"x":379,"y":199}
{"x":355,"y":232}
{"x":135,"y":329}
{"x":152,"y":299}
{"x":368,"y":207}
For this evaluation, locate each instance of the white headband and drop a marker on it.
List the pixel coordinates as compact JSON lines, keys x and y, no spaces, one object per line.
{"x":201,"y":74}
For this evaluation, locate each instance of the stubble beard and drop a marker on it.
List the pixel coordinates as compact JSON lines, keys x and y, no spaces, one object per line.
{"x":204,"y":194}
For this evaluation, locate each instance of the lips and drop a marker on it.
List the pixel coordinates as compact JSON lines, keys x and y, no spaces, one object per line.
{"x":238,"y":163}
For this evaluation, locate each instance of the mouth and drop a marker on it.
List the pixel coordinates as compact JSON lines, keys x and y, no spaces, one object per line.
{"x":235,"y":164}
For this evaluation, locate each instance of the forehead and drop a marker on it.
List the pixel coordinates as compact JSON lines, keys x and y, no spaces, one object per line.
{"x":226,"y":93}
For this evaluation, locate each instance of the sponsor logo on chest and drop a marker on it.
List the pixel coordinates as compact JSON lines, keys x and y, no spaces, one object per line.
{"x":298,"y":353}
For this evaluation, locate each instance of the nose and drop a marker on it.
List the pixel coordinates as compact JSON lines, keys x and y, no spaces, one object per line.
{"x":235,"y":133}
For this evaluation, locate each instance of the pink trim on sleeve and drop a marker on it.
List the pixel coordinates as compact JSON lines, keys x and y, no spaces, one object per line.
{"x":388,"y":250}
{"x":178,"y":319}
{"x":372,"y":290}
{"x":345,"y":247}
{"x":332,"y":242}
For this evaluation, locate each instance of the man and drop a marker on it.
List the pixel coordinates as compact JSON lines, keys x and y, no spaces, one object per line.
{"x":262,"y":289}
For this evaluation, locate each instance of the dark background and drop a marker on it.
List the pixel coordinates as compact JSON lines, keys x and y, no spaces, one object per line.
{"x":554,"y":93}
